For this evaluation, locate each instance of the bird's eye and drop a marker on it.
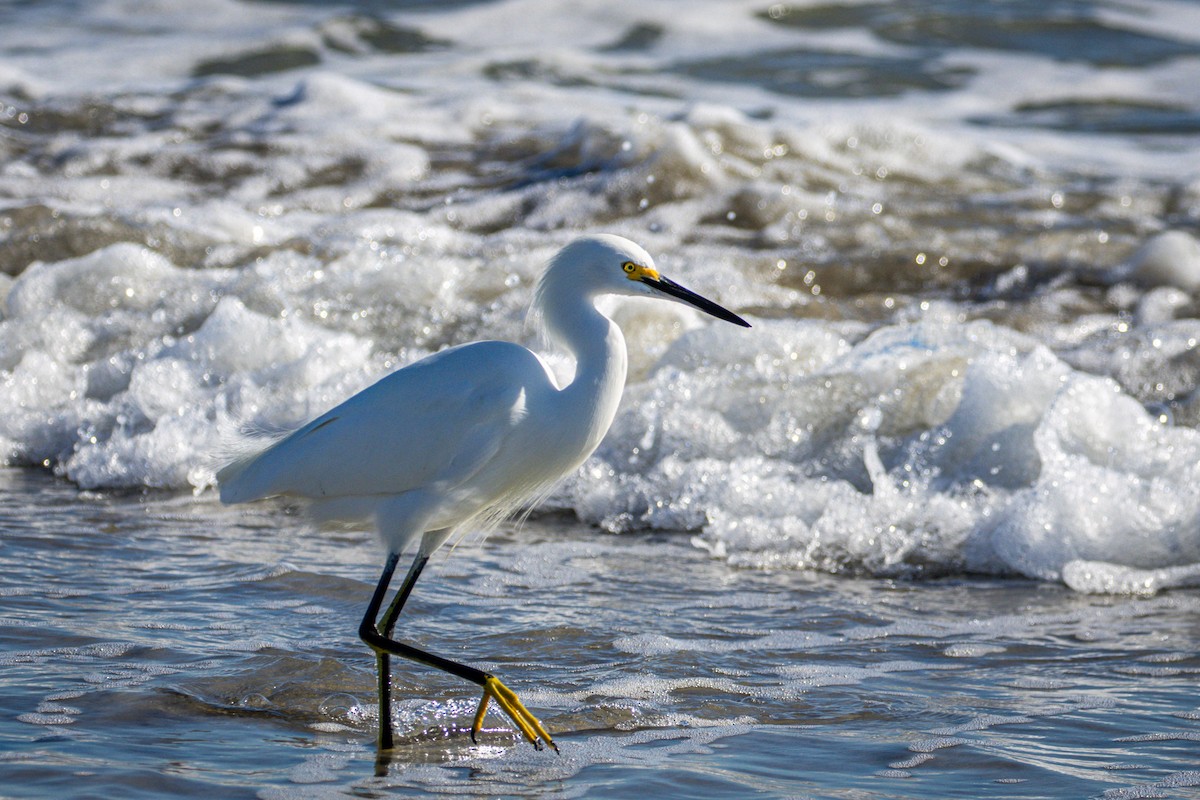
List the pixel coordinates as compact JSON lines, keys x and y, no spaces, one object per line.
{"x":629,"y":266}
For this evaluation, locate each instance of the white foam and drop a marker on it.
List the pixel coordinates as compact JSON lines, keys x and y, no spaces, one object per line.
{"x":101,"y":389}
{"x":1115,"y":485}
{"x":1098,"y":577}
{"x":1171,"y":258}
{"x":934,"y":446}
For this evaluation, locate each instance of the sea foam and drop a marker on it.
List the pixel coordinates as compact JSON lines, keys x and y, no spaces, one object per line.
{"x":920,"y":449}
{"x":974,"y":344}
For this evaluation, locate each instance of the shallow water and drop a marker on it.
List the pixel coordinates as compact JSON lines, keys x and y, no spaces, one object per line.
{"x":156,"y":645}
{"x":930,"y":528}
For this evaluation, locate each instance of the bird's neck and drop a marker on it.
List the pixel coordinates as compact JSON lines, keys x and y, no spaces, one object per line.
{"x":601,"y":361}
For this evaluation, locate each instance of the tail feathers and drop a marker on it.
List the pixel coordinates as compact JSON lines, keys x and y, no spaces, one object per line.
{"x":237,"y":479}
{"x":232,"y":489}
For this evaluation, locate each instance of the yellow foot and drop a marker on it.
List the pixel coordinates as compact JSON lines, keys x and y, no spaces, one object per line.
{"x":526,"y":722}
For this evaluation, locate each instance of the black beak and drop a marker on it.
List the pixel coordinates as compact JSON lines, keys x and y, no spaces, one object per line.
{"x":667,"y":286}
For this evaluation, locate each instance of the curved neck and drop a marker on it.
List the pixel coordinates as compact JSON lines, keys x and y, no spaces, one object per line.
{"x":601,"y":360}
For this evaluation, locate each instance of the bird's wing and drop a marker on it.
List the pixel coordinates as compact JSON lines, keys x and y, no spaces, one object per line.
{"x":431,"y":424}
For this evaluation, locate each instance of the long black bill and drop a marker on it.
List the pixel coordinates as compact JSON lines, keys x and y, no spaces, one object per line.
{"x":668,"y":286}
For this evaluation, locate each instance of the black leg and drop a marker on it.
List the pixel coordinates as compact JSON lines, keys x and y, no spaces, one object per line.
{"x":378,"y":638}
{"x":410,"y":580}
{"x":382,"y":659}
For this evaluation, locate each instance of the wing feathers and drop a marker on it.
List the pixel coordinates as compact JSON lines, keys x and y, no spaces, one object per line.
{"x":436,"y":422}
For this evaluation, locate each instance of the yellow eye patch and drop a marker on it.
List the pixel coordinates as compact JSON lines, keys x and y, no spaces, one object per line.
{"x":636,"y":272}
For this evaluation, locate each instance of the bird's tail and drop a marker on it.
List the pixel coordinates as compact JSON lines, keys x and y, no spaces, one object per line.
{"x":239,"y":452}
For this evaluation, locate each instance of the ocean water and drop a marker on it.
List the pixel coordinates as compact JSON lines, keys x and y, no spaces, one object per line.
{"x":931,"y":528}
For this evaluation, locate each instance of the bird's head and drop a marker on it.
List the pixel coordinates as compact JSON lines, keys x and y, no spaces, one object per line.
{"x":607,"y":264}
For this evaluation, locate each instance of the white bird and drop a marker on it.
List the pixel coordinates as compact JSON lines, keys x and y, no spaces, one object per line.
{"x":466,"y":436}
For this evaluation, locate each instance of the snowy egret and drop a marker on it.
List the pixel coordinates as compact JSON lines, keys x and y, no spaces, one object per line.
{"x":463,"y":437}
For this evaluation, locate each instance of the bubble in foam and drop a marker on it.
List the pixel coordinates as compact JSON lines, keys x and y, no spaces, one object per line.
{"x":1170,"y":258}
